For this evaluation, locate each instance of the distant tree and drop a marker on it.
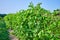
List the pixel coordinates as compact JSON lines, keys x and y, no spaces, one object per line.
{"x":57,"y":12}
{"x":2,"y":15}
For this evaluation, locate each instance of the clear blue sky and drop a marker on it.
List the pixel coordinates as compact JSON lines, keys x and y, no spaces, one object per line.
{"x":12,"y":6}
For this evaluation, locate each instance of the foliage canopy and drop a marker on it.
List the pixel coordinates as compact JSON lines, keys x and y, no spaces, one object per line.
{"x":34,"y":23}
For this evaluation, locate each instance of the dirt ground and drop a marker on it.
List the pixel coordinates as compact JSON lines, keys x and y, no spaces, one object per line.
{"x":12,"y":37}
